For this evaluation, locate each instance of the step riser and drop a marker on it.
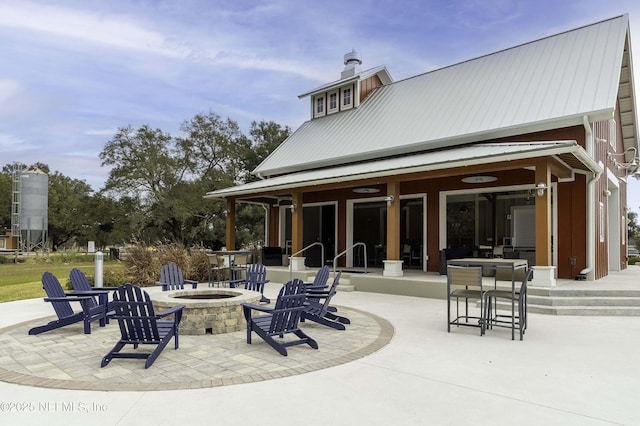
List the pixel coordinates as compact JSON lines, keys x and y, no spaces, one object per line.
{"x":584,"y":301}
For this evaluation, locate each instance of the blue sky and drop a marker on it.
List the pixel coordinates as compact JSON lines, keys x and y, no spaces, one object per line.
{"x":73,"y":72}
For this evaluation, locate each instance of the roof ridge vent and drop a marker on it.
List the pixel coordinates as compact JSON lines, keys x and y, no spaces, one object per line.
{"x":352,"y":62}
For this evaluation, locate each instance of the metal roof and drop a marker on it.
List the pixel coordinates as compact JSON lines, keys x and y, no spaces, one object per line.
{"x":549,"y":83}
{"x":484,"y":153}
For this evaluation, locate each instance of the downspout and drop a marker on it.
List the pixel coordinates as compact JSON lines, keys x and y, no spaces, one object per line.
{"x":588,"y":272}
{"x":266,"y":224}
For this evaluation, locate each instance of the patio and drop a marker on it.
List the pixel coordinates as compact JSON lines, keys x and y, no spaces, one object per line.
{"x":557,"y":375}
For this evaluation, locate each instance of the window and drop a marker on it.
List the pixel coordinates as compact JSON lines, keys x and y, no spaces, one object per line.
{"x":333,"y":102}
{"x":346,"y":97}
{"x":319,"y":106}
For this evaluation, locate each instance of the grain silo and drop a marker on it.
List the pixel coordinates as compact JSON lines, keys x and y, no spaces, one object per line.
{"x":34,"y":196}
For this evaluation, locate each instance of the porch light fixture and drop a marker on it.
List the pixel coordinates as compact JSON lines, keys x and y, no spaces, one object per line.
{"x":389,"y":199}
{"x":365,"y":190}
{"x":633,"y":164}
{"x":225,"y":212}
{"x":293,"y":207}
{"x":479,"y":179}
{"x":540,"y":188}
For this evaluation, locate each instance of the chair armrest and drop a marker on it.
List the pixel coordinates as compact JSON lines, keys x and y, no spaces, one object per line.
{"x":95,"y":292}
{"x":261,"y":308}
{"x":193,"y":283}
{"x":165,"y":286}
{"x":170,"y":311}
{"x":315,"y":287}
{"x":67,"y":299}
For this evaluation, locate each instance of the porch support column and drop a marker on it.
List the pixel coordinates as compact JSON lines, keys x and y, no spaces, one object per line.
{"x":231,"y":224}
{"x":297,"y":262}
{"x":393,"y":264}
{"x":544,"y":271}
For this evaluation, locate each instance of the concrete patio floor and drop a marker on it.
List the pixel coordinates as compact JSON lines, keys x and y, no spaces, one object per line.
{"x":569,"y":370}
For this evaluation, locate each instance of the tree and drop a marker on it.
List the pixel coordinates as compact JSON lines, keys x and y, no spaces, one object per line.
{"x":170,"y":175}
{"x":634,"y":229}
{"x":70,"y":215}
{"x":6,"y":184}
{"x":266,"y":136}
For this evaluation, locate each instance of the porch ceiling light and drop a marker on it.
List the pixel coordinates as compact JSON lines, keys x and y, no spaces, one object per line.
{"x":365,"y":190}
{"x":540,"y":188}
{"x":479,"y":179}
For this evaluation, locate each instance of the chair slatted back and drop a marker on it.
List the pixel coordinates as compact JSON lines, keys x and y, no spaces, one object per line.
{"x":240,"y":260}
{"x":256,"y":274}
{"x":171,"y":274}
{"x":315,"y":307}
{"x":322,"y":277}
{"x":80,"y":282}
{"x":52,"y":287}
{"x":288,"y":309}
{"x":465,"y":276}
{"x":135,"y":315}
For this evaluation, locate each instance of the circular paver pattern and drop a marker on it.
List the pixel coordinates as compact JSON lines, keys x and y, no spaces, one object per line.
{"x":68,"y":359}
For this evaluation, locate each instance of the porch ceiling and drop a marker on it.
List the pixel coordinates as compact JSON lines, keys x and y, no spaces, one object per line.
{"x":567,"y":155}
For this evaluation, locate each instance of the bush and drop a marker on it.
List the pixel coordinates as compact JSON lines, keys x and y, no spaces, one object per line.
{"x":143,"y":263}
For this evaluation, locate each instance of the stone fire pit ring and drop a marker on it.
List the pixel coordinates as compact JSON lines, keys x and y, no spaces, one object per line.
{"x":209,"y":310}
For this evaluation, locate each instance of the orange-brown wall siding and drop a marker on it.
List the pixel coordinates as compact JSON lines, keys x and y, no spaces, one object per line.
{"x":367,"y":86}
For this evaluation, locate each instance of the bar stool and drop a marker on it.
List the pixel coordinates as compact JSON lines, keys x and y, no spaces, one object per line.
{"x":468,"y":282}
{"x":519,"y":297}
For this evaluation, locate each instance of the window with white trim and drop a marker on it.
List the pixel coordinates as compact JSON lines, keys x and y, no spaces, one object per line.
{"x":347,"y":98}
{"x":319,"y":109}
{"x":333,"y":102}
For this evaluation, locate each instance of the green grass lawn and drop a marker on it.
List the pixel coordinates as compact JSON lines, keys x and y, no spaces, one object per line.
{"x":22,"y":281}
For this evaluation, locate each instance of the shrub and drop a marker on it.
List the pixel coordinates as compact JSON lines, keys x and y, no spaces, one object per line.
{"x":143,"y":263}
{"x":199,"y":265}
{"x":142,"y":266}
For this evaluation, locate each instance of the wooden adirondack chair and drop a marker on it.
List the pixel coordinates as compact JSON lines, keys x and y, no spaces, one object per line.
{"x":139,"y":325}
{"x":82,"y":287}
{"x":256,"y":278}
{"x":317,"y":307}
{"x":281,"y":320}
{"x":171,"y":278}
{"x":66,"y":316}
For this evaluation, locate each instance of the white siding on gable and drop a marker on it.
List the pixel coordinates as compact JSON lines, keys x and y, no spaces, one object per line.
{"x":549,"y":83}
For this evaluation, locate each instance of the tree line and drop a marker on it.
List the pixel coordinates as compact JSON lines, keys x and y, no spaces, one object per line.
{"x":154,"y":190}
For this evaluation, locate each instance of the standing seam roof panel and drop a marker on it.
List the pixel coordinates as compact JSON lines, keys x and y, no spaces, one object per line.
{"x":567,"y":75}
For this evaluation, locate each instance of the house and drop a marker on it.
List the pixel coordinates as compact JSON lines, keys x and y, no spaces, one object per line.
{"x":524,"y":152}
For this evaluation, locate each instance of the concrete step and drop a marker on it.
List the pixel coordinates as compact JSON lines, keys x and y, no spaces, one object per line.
{"x":604,"y":301}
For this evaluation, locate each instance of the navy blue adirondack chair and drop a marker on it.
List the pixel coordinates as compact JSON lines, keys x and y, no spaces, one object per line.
{"x":66,"y":315}
{"x":317,"y":308}
{"x":281,"y":320}
{"x":140,"y":325}
{"x":256,"y":278}
{"x":171,"y":278}
{"x":82,"y":287}
{"x":320,"y":280}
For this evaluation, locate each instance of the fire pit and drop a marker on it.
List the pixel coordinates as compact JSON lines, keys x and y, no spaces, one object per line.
{"x":208,"y":311}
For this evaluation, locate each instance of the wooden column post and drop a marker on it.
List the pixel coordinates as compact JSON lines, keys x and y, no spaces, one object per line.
{"x":543,"y":214}
{"x":393,"y":222}
{"x":231,"y":224}
{"x":296,"y":223}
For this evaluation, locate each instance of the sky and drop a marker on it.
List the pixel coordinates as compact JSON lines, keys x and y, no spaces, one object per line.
{"x":72,"y":72}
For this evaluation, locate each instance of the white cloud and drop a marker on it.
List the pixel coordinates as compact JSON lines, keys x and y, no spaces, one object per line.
{"x":93,"y":28}
{"x":9,"y":142}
